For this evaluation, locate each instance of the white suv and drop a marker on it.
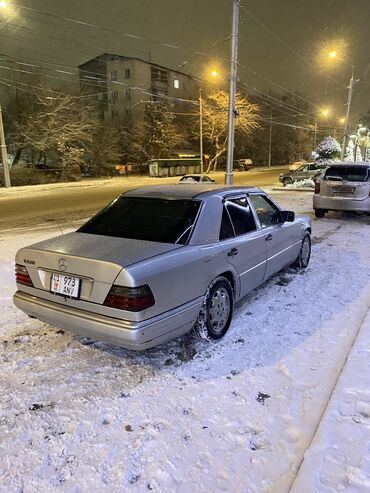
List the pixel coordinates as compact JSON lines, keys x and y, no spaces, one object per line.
{"x":343,"y":187}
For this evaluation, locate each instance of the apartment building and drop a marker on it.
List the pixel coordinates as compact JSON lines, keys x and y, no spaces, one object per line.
{"x":124,"y":84}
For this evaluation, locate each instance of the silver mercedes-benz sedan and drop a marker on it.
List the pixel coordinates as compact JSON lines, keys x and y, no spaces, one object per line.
{"x":160,"y":261}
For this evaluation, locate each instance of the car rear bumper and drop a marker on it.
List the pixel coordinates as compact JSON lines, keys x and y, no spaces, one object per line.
{"x":131,"y":335}
{"x":341,"y":204}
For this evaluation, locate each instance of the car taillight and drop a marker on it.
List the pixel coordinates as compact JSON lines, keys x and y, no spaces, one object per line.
{"x":317,"y":187}
{"x":130,"y":299}
{"x":22,"y":276}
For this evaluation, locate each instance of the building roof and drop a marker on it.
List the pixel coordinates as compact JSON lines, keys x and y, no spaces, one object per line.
{"x":112,"y":57}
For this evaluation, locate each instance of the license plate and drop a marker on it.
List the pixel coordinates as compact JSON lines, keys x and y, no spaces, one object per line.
{"x":345,"y":190}
{"x":65,"y":285}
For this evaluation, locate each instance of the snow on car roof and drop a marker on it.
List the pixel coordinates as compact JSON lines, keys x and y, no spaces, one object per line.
{"x":191,"y":191}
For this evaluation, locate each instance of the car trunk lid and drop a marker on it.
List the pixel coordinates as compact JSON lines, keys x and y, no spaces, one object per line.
{"x":94,"y":260}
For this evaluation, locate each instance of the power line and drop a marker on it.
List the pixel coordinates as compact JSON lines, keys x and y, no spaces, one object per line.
{"x":197,"y":52}
{"x":260,"y":23}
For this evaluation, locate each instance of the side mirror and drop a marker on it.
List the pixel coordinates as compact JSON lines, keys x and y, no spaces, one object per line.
{"x":287,"y":216}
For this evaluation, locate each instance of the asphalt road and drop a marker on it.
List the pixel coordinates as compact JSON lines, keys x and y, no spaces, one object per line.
{"x":33,"y":206}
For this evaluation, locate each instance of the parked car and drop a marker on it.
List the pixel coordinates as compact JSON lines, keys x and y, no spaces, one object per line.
{"x":343,"y":187}
{"x":158,"y":261}
{"x":196,"y":178}
{"x":308,"y":171}
{"x":243,"y":164}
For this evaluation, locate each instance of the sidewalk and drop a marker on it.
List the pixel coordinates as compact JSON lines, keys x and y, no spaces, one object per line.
{"x":338,"y":458}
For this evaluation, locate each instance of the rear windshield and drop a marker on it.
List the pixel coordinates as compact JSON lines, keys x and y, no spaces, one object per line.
{"x":348,"y":173}
{"x":162,"y":220}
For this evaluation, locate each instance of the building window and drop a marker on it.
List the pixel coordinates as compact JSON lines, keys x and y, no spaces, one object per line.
{"x":176,"y":83}
{"x":128,"y":94}
{"x":114,"y":96}
{"x":128,"y":113}
{"x":159,"y":75}
{"x":113,"y":75}
{"x":127,"y":73}
{"x":115,"y":115}
{"x":101,"y":96}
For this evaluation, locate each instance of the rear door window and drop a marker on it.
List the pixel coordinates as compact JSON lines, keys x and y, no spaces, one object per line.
{"x":347,"y":173}
{"x":241,"y":215}
{"x":226,"y":230}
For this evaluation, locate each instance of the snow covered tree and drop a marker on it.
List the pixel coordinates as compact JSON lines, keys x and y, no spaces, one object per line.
{"x":349,"y":156}
{"x":104,"y":151}
{"x":215,"y":120}
{"x":328,"y":150}
{"x":358,"y":154}
{"x":160,"y":134}
{"x":60,"y":127}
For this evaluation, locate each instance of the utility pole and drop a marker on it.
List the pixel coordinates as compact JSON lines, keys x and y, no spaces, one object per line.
{"x":232,"y":94}
{"x":4,"y":154}
{"x":270,"y":141}
{"x":201,"y":130}
{"x":315,"y":136}
{"x":349,"y":99}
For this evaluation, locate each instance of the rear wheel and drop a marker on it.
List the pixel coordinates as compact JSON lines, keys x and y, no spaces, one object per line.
{"x":320,"y":212}
{"x":304,"y":256}
{"x":287,"y":181}
{"x":217,"y":309}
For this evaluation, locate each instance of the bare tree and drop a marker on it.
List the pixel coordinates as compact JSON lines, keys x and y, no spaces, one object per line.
{"x":215,"y":120}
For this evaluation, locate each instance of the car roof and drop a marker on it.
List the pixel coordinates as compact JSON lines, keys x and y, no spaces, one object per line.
{"x":188,"y":192}
{"x":358,"y":163}
{"x":193,"y":174}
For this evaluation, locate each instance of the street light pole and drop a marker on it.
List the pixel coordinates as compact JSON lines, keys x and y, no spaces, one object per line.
{"x":270,"y":142}
{"x":4,"y":154}
{"x":201,"y":130}
{"x":349,"y":99}
{"x":232,"y":94}
{"x":315,"y":137}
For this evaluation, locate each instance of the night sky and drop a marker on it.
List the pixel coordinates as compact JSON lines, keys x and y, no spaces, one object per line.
{"x":267,"y":63}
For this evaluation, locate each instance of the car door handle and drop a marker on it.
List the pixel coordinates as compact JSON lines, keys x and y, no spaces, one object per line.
{"x":233,"y":252}
{"x":268,"y":237}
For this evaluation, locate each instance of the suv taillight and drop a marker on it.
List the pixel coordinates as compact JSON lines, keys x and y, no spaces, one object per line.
{"x":317,"y":186}
{"x":22,"y":276}
{"x":130,"y":299}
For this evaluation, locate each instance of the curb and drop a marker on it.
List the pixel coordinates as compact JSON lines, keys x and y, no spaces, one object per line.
{"x":285,"y":189}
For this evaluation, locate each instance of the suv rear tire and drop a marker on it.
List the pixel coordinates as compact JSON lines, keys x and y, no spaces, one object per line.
{"x":320,"y":212}
{"x":287,"y":181}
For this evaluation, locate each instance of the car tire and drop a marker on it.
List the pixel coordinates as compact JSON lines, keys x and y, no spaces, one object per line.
{"x":320,"y":212}
{"x":287,"y":181}
{"x":301,"y":262}
{"x":217,"y":310}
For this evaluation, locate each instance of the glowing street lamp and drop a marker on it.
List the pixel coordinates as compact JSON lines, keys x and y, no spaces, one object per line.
{"x":3,"y":4}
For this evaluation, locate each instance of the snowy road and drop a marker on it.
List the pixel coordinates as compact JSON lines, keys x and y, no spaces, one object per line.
{"x":236,"y":416}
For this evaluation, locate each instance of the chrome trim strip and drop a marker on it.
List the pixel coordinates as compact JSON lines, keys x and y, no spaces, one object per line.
{"x":252,"y":268}
{"x":285,"y":249}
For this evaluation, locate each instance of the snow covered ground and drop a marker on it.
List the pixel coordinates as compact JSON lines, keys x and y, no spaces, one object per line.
{"x":238,"y":416}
